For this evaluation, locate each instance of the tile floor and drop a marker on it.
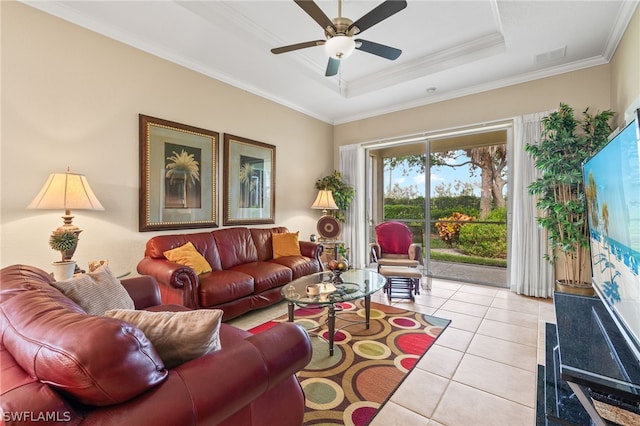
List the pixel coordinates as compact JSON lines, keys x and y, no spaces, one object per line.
{"x":481,"y":371}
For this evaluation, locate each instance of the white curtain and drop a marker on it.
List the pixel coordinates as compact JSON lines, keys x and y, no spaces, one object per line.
{"x":530,"y":274}
{"x":353,"y":229}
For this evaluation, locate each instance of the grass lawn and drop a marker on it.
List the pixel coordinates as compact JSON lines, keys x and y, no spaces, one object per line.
{"x":437,"y":243}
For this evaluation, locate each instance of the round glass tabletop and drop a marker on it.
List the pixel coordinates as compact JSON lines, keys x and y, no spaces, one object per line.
{"x":322,"y":287}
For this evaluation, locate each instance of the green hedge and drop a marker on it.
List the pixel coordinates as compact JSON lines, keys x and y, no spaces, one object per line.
{"x":484,"y":240}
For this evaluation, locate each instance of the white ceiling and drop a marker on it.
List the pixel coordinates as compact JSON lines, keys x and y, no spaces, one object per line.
{"x":455,"y":47}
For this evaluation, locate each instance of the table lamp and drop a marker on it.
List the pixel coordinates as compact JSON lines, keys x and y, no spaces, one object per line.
{"x":66,"y":191}
{"x":328,"y":226}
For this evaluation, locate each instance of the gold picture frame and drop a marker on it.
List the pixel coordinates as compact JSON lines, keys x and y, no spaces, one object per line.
{"x":178,"y":175}
{"x":249,"y":195}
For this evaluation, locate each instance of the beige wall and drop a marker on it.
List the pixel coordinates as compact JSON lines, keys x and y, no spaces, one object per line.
{"x":580,"y":89}
{"x":625,"y":69}
{"x":71,"y":97}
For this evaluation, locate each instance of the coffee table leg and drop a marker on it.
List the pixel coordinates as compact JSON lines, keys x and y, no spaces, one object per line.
{"x":291,"y":311}
{"x":332,"y":327}
{"x":367,"y":310}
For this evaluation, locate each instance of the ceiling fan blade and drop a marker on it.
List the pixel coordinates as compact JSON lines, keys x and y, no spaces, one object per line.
{"x":316,"y":13}
{"x":332,"y":67}
{"x":378,"y":49}
{"x":297,"y":46}
{"x":379,"y":13}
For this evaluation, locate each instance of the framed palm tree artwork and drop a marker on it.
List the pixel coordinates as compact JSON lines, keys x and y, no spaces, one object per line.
{"x":178,"y":174}
{"x":249,"y":181}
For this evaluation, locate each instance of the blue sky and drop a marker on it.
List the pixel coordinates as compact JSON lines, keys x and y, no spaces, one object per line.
{"x":439,"y":175}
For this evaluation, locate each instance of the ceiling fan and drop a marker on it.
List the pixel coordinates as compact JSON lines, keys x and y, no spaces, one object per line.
{"x":339,"y":32}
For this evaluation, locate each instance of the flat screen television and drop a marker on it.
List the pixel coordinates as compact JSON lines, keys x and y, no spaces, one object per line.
{"x":612,"y":189}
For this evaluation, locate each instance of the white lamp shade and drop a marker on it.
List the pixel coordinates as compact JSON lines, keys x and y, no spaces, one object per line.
{"x":340,"y":46}
{"x":66,"y":191}
{"x":325,"y":201}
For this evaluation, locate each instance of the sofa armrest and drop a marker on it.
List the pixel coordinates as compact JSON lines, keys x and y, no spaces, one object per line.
{"x":143,"y":290}
{"x":245,"y":371}
{"x":172,"y":274}
{"x":312,"y":250}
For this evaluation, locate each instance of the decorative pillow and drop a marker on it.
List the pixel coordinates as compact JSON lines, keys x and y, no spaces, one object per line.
{"x":96,"y":292}
{"x":285,"y":244}
{"x":187,"y":255}
{"x":177,"y":336}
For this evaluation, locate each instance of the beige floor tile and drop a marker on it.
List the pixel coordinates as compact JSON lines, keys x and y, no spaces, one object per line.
{"x":464,"y":406}
{"x":465,"y":308}
{"x":547,"y":312}
{"x":429,"y":300}
{"x":512,"y":317}
{"x":477,"y":299}
{"x":519,"y":304}
{"x":420,"y":392}
{"x":510,"y":332}
{"x":505,"y":381}
{"x":417,"y":308}
{"x":454,"y":338}
{"x":440,"y":360}
{"x":439,"y":292}
{"x":499,"y":350}
{"x":481,"y":290}
{"x":445,"y":284}
{"x":393,"y":414}
{"x":461,"y":321}
{"x":434,"y":423}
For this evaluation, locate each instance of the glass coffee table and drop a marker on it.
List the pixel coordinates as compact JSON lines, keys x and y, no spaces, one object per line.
{"x":325,"y":289}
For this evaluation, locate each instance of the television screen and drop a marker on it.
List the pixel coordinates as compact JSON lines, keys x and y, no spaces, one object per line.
{"x":612,"y":189}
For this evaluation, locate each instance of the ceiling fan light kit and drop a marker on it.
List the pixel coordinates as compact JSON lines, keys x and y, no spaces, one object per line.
{"x":340,"y":47}
{"x":339,"y":33}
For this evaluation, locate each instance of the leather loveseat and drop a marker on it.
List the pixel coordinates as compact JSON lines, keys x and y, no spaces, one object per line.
{"x":60,"y":365}
{"x":244,"y":275}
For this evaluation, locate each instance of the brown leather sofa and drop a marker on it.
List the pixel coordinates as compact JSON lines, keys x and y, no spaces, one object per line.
{"x":59,"y":364}
{"x":244,"y":277}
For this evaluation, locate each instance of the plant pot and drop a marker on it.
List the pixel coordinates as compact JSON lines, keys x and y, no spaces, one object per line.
{"x":63,"y":270}
{"x":584,"y":289}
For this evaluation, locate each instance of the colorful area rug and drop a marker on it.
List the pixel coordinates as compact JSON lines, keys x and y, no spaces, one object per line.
{"x":367,"y":366}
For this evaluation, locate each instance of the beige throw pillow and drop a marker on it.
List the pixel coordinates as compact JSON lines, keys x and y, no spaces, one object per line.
{"x":96,"y":292}
{"x":177,"y":336}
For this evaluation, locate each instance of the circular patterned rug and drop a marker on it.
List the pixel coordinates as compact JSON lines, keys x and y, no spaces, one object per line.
{"x":367,"y":366}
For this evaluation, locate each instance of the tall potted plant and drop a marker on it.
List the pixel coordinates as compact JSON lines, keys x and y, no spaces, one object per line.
{"x":566,"y":143}
{"x":343,"y":193}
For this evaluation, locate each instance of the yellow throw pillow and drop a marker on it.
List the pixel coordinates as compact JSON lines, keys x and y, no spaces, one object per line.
{"x":187,"y":255}
{"x":285,"y":244}
{"x":178,"y":337}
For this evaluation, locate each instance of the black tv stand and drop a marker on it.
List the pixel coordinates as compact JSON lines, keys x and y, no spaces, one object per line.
{"x":587,"y":358}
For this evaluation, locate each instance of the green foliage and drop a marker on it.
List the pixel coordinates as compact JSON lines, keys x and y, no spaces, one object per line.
{"x":343,"y":193}
{"x":565,"y":145}
{"x":63,"y":241}
{"x":485,"y":240}
{"x":403,"y":212}
{"x":474,"y":260}
{"x":449,"y":229}
{"x":497,"y":215}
